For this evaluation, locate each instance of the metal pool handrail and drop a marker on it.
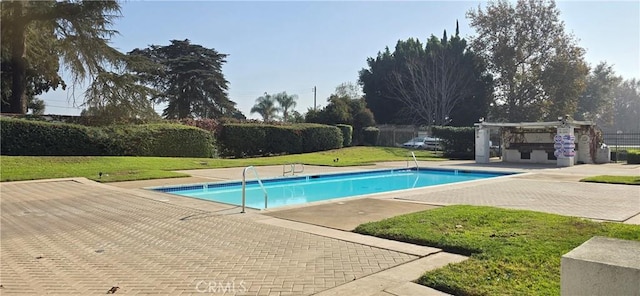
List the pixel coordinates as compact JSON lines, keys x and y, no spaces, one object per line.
{"x":293,"y":169}
{"x":244,"y":186}
{"x":414,"y":160}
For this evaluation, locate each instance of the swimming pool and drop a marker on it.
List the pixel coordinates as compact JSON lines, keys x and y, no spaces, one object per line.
{"x":305,"y":189}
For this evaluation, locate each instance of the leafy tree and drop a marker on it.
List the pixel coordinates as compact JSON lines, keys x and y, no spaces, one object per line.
{"x":296,"y":117}
{"x":349,"y":90}
{"x":528,"y":51}
{"x":563,"y":80}
{"x":119,"y":114}
{"x":626,"y":104}
{"x":186,"y":76}
{"x":433,"y":81}
{"x":37,"y":35}
{"x":596,"y":102}
{"x":237,"y":114}
{"x":286,"y":103}
{"x":36,"y":105}
{"x":344,"y":110}
{"x":441,"y":83}
{"x":41,"y":74}
{"x":114,"y":98}
{"x":266,"y":107}
{"x":375,"y":85}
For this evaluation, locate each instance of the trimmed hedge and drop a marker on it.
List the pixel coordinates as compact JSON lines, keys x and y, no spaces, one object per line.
{"x":633,"y":157}
{"x":252,"y":139}
{"x":171,"y":140}
{"x":283,"y":139}
{"x":24,"y":137}
{"x":457,"y":142}
{"x":318,"y":137}
{"x":31,"y":138}
{"x":370,"y":135}
{"x":347,"y":134}
{"x":241,"y":140}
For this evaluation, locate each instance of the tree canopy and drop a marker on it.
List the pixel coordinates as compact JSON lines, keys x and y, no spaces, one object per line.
{"x":626,"y":104}
{"x":439,"y":83}
{"x":596,"y":102}
{"x":269,"y":106}
{"x":344,"y":109}
{"x":539,"y":70}
{"x":286,"y":104}
{"x":266,"y":107}
{"x":117,"y":98}
{"x":188,"y":77}
{"x":38,"y":35}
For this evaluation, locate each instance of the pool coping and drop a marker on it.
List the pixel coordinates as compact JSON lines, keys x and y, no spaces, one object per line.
{"x":213,"y":184}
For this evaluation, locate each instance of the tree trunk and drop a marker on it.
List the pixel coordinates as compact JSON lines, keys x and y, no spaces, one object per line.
{"x":18,"y":101}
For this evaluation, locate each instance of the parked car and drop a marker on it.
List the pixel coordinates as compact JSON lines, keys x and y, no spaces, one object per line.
{"x":428,"y":143}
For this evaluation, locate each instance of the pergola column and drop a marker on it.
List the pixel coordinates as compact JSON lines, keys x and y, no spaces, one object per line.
{"x":483,"y":153}
{"x":564,"y":145}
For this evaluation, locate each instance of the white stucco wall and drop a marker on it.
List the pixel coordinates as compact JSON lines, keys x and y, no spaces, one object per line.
{"x":602,"y":266}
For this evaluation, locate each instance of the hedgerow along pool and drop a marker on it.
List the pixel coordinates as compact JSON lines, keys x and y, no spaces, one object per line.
{"x":304,"y":189}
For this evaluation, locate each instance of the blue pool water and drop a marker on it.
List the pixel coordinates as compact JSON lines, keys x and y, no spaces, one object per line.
{"x":299,"y":190}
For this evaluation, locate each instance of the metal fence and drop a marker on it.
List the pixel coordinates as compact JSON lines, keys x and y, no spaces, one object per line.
{"x":395,"y":135}
{"x":622,"y":140}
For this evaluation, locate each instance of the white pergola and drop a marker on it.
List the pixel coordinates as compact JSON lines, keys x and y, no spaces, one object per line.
{"x":564,"y":137}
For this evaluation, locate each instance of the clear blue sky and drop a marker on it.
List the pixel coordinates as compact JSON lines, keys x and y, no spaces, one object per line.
{"x":294,"y":46}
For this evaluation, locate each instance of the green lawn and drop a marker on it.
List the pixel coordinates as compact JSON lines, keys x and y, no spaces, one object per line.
{"x":15,"y":168}
{"x":627,"y":180}
{"x":512,"y":252}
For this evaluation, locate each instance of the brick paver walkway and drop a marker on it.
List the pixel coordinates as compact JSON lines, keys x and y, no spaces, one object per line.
{"x":588,"y":200}
{"x":65,"y":237}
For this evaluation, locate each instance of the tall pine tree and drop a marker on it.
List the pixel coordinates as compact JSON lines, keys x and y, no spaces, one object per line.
{"x":188,"y":77}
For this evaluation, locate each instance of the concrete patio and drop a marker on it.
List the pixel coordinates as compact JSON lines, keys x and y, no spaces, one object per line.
{"x":75,"y":236}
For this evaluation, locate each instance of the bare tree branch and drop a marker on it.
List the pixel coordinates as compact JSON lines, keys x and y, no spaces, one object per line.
{"x":431,"y":86}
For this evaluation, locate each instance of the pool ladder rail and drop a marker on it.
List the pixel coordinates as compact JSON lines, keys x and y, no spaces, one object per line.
{"x":292,"y":169}
{"x":244,"y":186}
{"x":414,"y":160}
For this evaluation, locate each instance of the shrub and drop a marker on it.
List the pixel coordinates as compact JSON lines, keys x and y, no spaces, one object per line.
{"x":180,"y":141}
{"x":633,"y":157}
{"x":172,"y":140}
{"x":283,"y":139}
{"x":240,"y":140}
{"x":252,"y":139}
{"x":22,"y":137}
{"x":27,"y":137}
{"x":457,"y":142}
{"x":361,"y":120}
{"x":370,"y":135}
{"x":211,"y":125}
{"x":347,"y":134}
{"x":318,"y":137}
{"x":206,"y":124}
{"x":620,"y":155}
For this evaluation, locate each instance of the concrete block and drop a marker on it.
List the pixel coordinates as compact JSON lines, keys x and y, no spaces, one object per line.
{"x":603,"y":155}
{"x":602,"y":266}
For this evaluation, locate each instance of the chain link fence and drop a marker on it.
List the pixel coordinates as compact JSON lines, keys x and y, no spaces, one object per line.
{"x":394,"y":135}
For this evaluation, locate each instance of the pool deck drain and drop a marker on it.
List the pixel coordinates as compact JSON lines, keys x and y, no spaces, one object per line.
{"x":74,"y":236}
